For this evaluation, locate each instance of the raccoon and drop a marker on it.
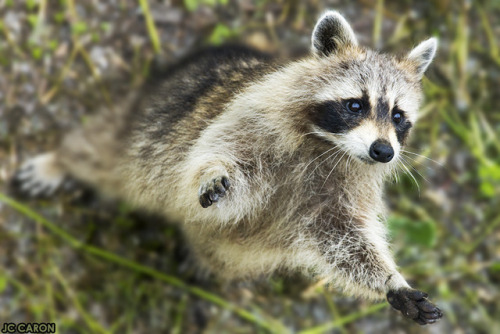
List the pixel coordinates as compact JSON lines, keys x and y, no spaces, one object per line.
{"x":266,"y":166}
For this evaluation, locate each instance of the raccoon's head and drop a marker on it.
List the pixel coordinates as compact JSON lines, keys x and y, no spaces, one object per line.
{"x":364,"y":102}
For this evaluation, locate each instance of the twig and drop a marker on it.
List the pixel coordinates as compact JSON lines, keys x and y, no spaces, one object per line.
{"x":489,"y":33}
{"x":89,"y":320}
{"x":12,"y":43}
{"x":150,"y":24}
{"x":344,"y":320}
{"x":57,"y":86}
{"x":79,"y":48}
{"x":487,"y":231}
{"x":377,"y":24}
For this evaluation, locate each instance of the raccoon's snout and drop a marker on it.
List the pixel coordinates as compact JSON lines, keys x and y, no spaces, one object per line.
{"x":381,"y":151}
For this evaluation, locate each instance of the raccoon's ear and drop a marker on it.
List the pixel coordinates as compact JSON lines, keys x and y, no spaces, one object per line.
{"x":423,"y":54}
{"x":331,"y":33}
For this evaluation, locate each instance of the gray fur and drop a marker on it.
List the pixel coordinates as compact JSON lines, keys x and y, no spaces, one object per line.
{"x":297,"y":197}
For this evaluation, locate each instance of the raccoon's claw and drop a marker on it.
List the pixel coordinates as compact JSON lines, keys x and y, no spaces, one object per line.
{"x":213,"y":190}
{"x":37,"y":177}
{"x":414,"y":305}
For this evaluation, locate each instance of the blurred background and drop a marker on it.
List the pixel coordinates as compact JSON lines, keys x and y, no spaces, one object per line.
{"x":93,"y":265}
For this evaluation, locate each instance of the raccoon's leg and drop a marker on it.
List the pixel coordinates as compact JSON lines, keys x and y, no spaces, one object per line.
{"x":215,"y":188}
{"x":87,"y":155}
{"x":362,"y":264}
{"x":92,"y":155}
{"x":212,"y":177}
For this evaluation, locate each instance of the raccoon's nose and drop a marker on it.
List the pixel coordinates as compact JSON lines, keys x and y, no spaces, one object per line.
{"x":381,"y":151}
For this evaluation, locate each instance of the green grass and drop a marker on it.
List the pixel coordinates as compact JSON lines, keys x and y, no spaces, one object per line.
{"x":112,"y":258}
{"x":256,"y":317}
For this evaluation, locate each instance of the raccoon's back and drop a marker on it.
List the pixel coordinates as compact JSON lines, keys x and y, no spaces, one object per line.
{"x":176,"y":106}
{"x":188,"y":95}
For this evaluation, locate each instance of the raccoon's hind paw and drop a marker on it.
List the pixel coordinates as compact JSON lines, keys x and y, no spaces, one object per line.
{"x":38,"y":177}
{"x":213,"y":190}
{"x":414,"y":305}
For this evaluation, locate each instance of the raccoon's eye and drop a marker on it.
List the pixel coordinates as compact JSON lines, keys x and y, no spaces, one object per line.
{"x":397,"y":117}
{"x":354,"y":106}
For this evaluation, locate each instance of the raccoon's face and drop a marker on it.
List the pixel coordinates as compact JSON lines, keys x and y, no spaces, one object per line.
{"x":365,"y":103}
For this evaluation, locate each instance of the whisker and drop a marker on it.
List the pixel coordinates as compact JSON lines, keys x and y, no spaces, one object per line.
{"x":411,"y":174}
{"x":395,"y":173}
{"x":423,"y":156}
{"x":334,"y":155}
{"x":338,"y":161}
{"x":319,"y":156}
{"x":415,"y":169}
{"x":347,"y":164}
{"x":311,"y":133}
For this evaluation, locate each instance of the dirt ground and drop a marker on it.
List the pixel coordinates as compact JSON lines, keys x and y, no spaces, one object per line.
{"x":95,"y":265}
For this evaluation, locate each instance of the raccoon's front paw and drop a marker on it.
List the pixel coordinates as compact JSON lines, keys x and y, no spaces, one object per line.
{"x":213,"y":190}
{"x":414,"y":305}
